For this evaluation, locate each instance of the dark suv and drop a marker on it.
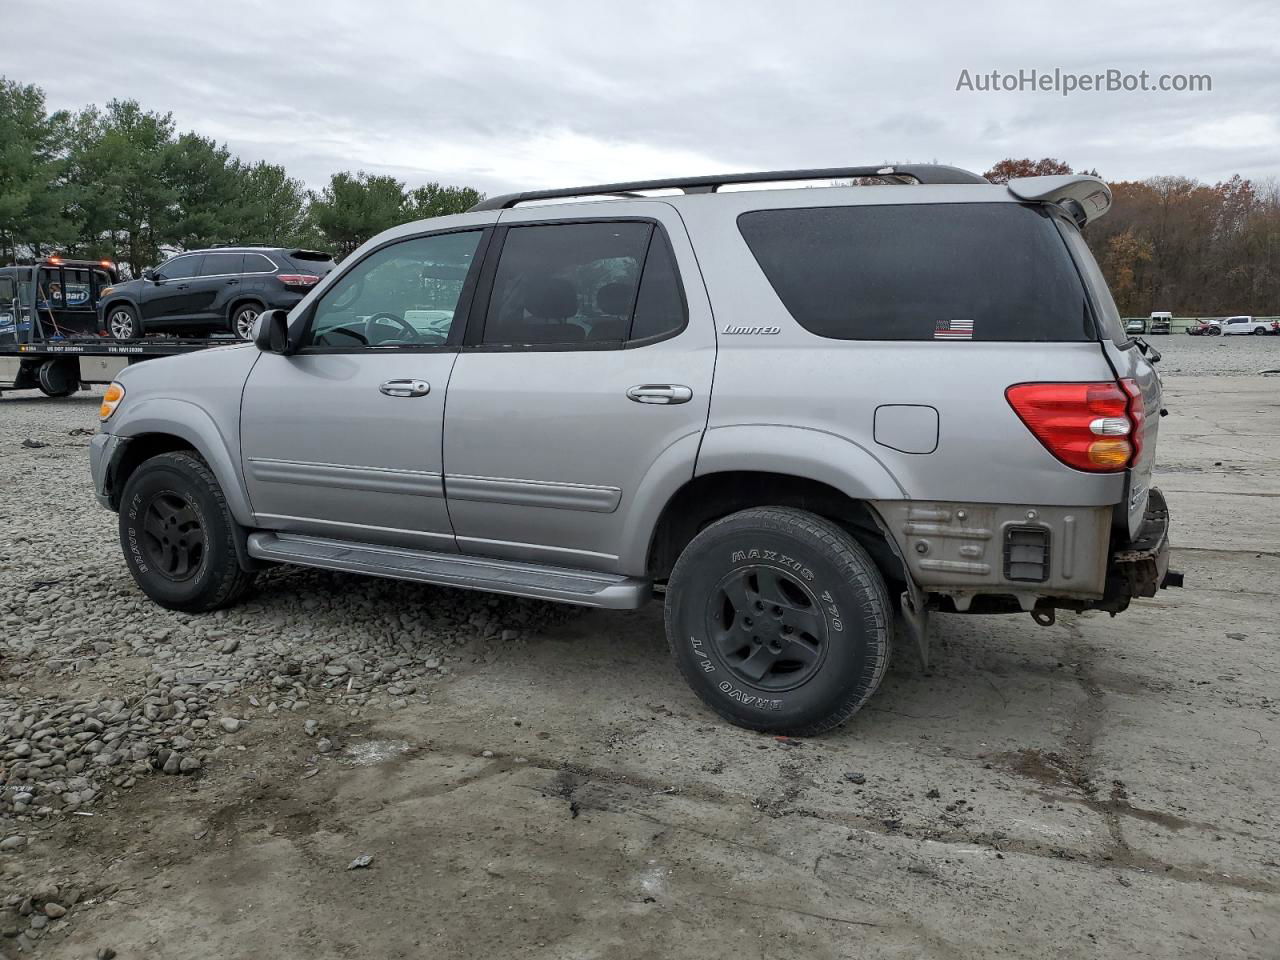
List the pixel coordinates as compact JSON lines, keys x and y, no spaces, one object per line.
{"x":211,"y":291}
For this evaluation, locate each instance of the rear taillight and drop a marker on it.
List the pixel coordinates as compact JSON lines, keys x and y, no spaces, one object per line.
{"x":298,"y":279}
{"x":1090,"y":426}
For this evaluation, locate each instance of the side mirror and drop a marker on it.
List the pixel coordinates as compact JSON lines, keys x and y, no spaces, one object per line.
{"x":272,"y":335}
{"x":149,"y":274}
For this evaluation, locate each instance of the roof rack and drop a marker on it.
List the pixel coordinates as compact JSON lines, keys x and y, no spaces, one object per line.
{"x":929,"y":173}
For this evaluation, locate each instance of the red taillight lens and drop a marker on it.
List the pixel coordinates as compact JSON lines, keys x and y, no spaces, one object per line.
{"x":1090,"y":426}
{"x":298,"y":279}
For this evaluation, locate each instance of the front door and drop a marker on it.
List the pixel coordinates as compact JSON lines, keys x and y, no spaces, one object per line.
{"x":589,"y":377}
{"x":343,"y":438}
{"x":170,"y":295}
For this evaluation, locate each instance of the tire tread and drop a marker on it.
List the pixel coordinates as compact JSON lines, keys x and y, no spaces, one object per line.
{"x":852,"y":558}
{"x":231,"y":582}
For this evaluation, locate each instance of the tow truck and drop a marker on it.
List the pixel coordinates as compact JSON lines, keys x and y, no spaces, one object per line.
{"x":50,"y":338}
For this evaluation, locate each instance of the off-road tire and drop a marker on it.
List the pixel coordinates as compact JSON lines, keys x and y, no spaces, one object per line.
{"x":843,"y":593}
{"x":183,"y":483}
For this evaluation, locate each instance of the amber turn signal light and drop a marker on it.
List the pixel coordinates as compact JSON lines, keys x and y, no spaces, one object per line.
{"x":110,"y":400}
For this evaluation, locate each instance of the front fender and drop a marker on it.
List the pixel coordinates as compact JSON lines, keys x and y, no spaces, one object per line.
{"x":115,"y":301}
{"x":185,"y":420}
{"x":799,"y":451}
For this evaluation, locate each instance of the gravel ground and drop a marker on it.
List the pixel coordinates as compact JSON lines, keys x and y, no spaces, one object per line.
{"x":1216,"y":356}
{"x":344,"y":766}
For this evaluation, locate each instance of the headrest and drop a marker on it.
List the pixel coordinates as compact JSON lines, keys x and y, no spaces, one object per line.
{"x":552,"y":299}
{"x":615,"y":298}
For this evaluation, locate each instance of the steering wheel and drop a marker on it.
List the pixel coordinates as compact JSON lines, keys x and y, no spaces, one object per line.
{"x":411,"y":332}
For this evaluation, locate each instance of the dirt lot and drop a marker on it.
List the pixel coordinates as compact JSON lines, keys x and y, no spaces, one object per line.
{"x":531,"y":781}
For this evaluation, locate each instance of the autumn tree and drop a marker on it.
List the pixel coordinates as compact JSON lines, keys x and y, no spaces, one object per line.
{"x":1011,"y":169}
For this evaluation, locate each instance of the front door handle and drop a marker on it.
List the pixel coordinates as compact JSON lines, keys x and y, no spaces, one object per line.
{"x":660,"y":393}
{"x":405,"y":388}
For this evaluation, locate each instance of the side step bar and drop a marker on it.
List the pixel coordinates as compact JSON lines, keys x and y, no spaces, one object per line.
{"x":585,"y":587}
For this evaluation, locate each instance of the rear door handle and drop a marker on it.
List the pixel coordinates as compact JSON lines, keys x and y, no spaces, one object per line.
{"x":660,"y":393}
{"x":405,"y":388}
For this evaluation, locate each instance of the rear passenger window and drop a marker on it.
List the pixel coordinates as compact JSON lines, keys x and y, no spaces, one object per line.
{"x":957,"y":271}
{"x":568,"y":284}
{"x":660,"y":308}
{"x":221,"y":264}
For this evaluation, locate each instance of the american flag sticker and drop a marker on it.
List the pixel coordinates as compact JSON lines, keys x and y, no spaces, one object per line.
{"x":953,"y":330}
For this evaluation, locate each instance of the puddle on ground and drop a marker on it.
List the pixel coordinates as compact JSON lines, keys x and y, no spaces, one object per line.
{"x":366,"y":753}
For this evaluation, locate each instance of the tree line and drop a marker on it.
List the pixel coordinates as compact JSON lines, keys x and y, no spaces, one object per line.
{"x":1174,"y":243}
{"x":120,"y":182}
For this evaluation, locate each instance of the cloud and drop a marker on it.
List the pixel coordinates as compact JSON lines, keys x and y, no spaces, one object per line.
{"x":508,"y":96}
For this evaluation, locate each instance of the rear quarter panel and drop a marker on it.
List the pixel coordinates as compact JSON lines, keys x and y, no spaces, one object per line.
{"x":793,"y":379}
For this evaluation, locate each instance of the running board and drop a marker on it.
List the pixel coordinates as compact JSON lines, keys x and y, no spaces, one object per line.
{"x":585,"y":587}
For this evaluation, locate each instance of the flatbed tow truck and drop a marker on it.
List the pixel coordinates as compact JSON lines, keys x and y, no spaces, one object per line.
{"x":50,"y":337}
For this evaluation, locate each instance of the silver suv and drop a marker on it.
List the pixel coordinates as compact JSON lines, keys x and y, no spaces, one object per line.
{"x":801,"y":416}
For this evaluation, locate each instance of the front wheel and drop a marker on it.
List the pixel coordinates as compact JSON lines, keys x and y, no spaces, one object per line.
{"x":178,"y":535}
{"x":779,"y":620}
{"x":243,"y":319}
{"x":122,"y":322}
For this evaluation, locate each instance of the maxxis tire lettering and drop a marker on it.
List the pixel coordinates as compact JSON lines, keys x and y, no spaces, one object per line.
{"x":846,"y":593}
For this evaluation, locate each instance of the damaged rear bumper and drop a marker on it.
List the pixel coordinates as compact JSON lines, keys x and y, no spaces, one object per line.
{"x":1141,"y":567}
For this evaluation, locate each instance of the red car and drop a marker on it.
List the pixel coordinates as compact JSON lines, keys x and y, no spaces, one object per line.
{"x":1205,"y":328}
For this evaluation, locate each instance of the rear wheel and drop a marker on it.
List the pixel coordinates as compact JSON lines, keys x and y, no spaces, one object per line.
{"x":243,"y":319}
{"x":178,"y":535}
{"x":1259,"y":331}
{"x":58,"y":378}
{"x":779,"y":620}
{"x":122,"y":322}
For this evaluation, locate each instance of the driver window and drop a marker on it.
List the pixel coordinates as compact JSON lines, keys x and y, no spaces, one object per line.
{"x":404,"y":295}
{"x":179,"y":268}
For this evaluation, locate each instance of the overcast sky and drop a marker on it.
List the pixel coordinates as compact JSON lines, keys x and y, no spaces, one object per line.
{"x":504,"y":96}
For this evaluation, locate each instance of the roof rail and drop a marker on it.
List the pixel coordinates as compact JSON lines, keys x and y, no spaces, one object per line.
{"x":929,"y":173}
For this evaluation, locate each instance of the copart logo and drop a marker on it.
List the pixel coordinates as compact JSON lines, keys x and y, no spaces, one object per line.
{"x":733,"y":329}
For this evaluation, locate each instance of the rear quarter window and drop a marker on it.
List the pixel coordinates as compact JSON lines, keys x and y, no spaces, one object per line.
{"x":958,"y":271}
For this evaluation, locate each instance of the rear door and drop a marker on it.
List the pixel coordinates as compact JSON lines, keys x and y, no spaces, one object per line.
{"x":214,"y":288}
{"x":258,"y":280}
{"x":587,"y":373}
{"x":1130,"y":363}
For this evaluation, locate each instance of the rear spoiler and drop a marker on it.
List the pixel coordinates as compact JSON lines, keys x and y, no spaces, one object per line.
{"x":1083,"y":198}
